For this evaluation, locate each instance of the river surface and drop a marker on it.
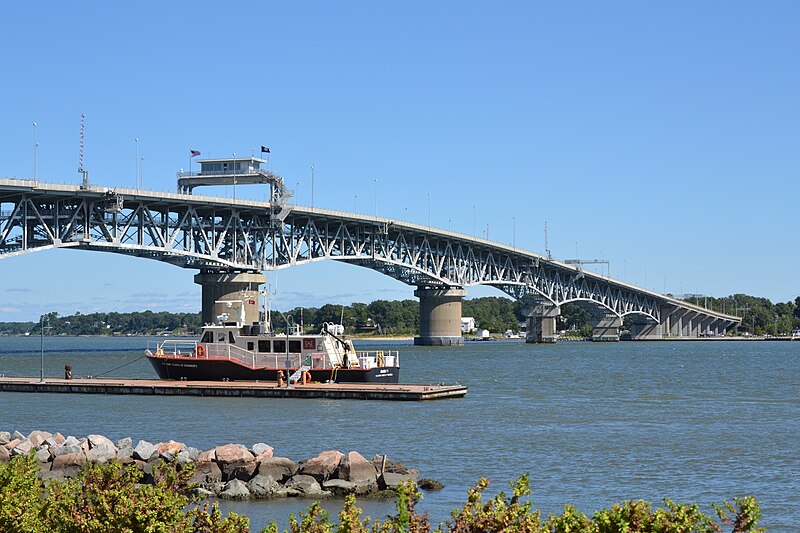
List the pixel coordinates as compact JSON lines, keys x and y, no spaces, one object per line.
{"x":592,"y":424}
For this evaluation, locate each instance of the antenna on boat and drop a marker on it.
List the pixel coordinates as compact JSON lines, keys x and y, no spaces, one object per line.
{"x":266,"y":293}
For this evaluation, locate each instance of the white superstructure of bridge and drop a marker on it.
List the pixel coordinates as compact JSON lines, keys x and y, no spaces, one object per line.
{"x":233,"y":241}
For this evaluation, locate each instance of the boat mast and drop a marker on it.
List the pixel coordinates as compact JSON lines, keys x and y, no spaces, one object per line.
{"x":267,"y":323}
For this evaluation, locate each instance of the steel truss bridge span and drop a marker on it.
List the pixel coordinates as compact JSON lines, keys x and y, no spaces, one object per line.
{"x":214,"y":234}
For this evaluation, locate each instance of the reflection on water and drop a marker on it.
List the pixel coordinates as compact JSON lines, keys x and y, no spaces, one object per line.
{"x":591,"y":423}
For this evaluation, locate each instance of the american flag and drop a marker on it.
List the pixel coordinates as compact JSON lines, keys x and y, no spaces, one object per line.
{"x":194,"y":152}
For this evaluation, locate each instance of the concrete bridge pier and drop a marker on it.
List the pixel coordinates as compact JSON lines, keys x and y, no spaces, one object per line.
{"x":542,"y":324}
{"x":439,"y":316}
{"x":234,"y":294}
{"x":646,"y":331}
{"x":607,"y":329}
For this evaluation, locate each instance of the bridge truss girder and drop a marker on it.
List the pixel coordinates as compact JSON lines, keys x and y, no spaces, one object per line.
{"x":213,"y":234}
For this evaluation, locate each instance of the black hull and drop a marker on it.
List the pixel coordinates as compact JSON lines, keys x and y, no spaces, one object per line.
{"x":223,"y":370}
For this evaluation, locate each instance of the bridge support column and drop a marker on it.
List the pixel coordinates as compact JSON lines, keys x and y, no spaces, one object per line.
{"x":646,"y":331}
{"x":542,"y":324}
{"x":234,"y":294}
{"x":607,"y":330}
{"x":439,"y":316}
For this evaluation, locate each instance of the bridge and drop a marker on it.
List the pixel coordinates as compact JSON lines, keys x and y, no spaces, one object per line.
{"x":231,"y":242}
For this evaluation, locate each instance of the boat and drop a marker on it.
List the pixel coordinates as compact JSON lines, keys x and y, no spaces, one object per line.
{"x":234,"y":351}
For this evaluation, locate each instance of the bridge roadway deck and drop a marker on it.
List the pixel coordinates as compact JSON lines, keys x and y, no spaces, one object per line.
{"x":243,"y":389}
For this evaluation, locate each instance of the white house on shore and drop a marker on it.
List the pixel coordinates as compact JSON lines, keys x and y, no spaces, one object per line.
{"x":468,"y":324}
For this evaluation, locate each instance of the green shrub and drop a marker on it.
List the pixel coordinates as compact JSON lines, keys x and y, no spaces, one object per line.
{"x":111,"y":498}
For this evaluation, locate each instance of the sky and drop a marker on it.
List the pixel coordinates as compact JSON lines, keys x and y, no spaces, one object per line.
{"x":662,"y":137}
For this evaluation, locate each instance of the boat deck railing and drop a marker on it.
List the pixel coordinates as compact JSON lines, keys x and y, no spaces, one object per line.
{"x":182,"y":347}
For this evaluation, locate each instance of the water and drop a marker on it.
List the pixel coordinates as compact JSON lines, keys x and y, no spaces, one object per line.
{"x":592,"y":424}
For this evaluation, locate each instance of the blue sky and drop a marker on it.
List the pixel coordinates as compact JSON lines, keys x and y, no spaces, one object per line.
{"x":662,"y":137}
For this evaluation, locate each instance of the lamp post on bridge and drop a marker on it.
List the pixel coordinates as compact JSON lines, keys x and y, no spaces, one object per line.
{"x":513,"y":232}
{"x":35,"y":153}
{"x":429,"y":209}
{"x":136,"y":141}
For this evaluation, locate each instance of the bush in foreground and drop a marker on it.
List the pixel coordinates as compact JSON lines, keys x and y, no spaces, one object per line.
{"x":112,"y":498}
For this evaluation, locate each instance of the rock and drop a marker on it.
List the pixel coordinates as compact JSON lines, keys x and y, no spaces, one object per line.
{"x":4,"y":455}
{"x":125,"y":454}
{"x":84,"y":444}
{"x":22,"y":448}
{"x":215,"y":488}
{"x":43,"y":455}
{"x":193,"y":453}
{"x":184,"y":458}
{"x":12,"y":443}
{"x":322,"y":466}
{"x":279,"y":468}
{"x":17,"y":436}
{"x":59,"y":438}
{"x":242,"y":471}
{"x":354,"y":467}
{"x":232,"y":453}
{"x":147,"y":471}
{"x":235,"y":489}
{"x":391,"y":480}
{"x":102,"y":453}
{"x":125,"y":442}
{"x":283,"y":492}
{"x":262,"y":486}
{"x":430,"y":484}
{"x":171,"y":447}
{"x":71,"y":441}
{"x":65,"y":450}
{"x":70,"y":464}
{"x":205,"y":473}
{"x":202,"y":492}
{"x":235,"y":461}
{"x":99,"y":440}
{"x":5,"y":438}
{"x":260,"y":448}
{"x":206,"y":456}
{"x":57,"y":475}
{"x":306,"y":484}
{"x":38,"y":437}
{"x":144,"y":451}
{"x":43,"y":469}
{"x":339,"y":486}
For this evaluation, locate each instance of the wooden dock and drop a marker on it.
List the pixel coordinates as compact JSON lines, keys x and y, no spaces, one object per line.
{"x":238,"y":389}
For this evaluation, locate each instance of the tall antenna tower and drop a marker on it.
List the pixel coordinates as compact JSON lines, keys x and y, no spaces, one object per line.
{"x":81,"y":170}
{"x":546,"y":247}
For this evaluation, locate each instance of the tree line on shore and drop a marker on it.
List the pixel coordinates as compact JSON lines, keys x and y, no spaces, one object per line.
{"x":401,"y":317}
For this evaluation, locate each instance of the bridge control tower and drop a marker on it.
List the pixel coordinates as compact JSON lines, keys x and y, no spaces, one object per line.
{"x":233,"y":171}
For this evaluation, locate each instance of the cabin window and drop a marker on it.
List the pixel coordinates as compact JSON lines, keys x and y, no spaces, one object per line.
{"x":207,"y":337}
{"x":264,"y":347}
{"x":221,"y":337}
{"x":251,"y":346}
{"x":294,"y":346}
{"x":230,"y":338}
{"x":279,"y":346}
